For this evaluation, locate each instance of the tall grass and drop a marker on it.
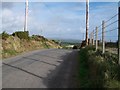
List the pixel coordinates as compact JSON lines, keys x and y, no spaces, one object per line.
{"x":97,"y":70}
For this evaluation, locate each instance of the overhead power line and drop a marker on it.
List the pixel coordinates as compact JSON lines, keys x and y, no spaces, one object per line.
{"x":111,"y":18}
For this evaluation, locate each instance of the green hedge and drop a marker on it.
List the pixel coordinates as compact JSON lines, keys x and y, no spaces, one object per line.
{"x":21,"y":34}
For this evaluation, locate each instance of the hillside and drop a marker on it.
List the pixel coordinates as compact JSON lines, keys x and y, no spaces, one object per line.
{"x":71,"y":41}
{"x":13,"y":45}
{"x":66,"y":43}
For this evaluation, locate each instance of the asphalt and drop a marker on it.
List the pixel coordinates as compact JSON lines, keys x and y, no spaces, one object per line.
{"x":52,"y":68}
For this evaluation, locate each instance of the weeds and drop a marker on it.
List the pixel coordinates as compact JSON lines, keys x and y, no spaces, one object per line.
{"x":6,"y":53}
{"x":97,"y":70}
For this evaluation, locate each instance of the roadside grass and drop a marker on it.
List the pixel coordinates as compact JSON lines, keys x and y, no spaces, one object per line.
{"x":97,"y":70}
{"x":45,"y":45}
{"x":6,"y":53}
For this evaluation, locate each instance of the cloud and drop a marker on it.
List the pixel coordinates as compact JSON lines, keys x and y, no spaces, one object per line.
{"x":55,"y":20}
{"x":103,"y":11}
{"x":65,"y":20}
{"x":7,"y":5}
{"x":59,"y":21}
{"x":10,"y":21}
{"x":100,"y":12}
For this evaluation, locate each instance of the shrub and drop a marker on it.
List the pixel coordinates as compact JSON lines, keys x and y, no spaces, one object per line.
{"x":55,"y":41}
{"x":21,"y":34}
{"x":38,"y":38}
{"x":5,"y":35}
{"x":75,"y":47}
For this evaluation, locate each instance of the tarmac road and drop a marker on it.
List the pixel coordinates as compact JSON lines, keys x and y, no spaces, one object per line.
{"x":52,"y":68}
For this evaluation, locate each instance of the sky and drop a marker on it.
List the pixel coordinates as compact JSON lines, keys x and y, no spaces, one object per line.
{"x":63,"y":20}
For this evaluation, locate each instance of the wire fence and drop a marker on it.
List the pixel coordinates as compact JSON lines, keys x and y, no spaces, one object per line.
{"x":105,"y":36}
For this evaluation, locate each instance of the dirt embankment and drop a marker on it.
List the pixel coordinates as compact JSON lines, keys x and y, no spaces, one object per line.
{"x":13,"y":45}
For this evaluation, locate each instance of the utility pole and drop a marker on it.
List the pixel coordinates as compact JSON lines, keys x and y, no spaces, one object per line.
{"x":93,"y":38}
{"x":103,"y":37}
{"x":119,"y":32}
{"x":90,"y":35}
{"x":26,"y":16}
{"x":87,"y":20}
{"x":96,"y":38}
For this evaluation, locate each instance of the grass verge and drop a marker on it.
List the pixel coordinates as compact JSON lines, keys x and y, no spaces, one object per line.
{"x":97,"y":70}
{"x":6,"y":53}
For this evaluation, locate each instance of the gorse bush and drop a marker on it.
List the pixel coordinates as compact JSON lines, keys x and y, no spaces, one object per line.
{"x":55,"y":41}
{"x":38,"y":37}
{"x":5,"y":35}
{"x":21,"y":34}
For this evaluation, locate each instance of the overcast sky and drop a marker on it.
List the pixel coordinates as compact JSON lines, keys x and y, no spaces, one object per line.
{"x":57,"y":19}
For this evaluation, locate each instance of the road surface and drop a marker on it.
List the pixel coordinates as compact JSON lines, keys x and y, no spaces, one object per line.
{"x":53,"y":68}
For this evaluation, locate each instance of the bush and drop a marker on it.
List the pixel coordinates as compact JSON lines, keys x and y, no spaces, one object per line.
{"x":75,"y":47}
{"x":21,"y":34}
{"x":38,"y":38}
{"x":55,"y":41}
{"x":5,"y":35}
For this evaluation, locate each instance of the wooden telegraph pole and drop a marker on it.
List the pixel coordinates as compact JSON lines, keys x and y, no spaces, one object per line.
{"x":87,"y":20}
{"x":119,"y":32}
{"x":26,"y":16}
{"x":90,"y":35}
{"x":103,"y":37}
{"x":93,"y":38}
{"x":96,"y":38}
